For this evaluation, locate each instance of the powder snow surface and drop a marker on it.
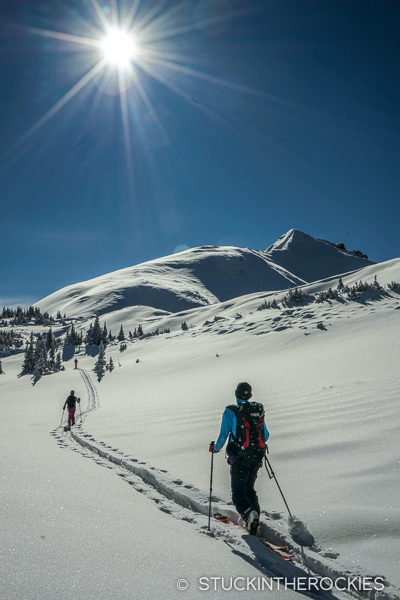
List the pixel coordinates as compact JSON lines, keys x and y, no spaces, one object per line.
{"x":129,"y":519}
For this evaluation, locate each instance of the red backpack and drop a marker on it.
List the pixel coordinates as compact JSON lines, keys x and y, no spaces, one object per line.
{"x":249,"y":442}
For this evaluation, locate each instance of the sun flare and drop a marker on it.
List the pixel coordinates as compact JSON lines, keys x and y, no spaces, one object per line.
{"x":119,"y":48}
{"x":123,"y":53}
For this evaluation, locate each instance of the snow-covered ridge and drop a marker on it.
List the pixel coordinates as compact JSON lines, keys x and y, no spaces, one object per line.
{"x":312,"y":258}
{"x":205,"y":276}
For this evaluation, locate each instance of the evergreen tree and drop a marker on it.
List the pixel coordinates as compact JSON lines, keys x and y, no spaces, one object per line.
{"x":1,"y":369}
{"x":104,"y":335}
{"x":111,"y":365}
{"x":52,"y":355}
{"x":40,"y":357}
{"x":49,"y":339}
{"x":97,"y":333}
{"x":89,"y":336}
{"x":74,"y":337}
{"x":130,"y":335}
{"x":100,"y":363}
{"x":184,"y":326}
{"x":121,"y":335}
{"x":58,"y":363}
{"x":139,"y":332}
{"x":29,"y":362}
{"x":376,"y":285}
{"x":110,"y":336}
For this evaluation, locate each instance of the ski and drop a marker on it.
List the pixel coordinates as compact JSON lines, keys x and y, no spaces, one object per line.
{"x":281,"y":551}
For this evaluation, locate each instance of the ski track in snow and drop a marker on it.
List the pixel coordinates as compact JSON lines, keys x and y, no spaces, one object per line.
{"x":187,"y":503}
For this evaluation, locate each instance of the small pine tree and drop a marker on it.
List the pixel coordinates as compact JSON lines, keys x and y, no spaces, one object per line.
{"x":97,"y":333}
{"x":89,"y":336}
{"x":104,"y":335}
{"x":49,"y":339}
{"x":28,"y":364}
{"x":130,"y":335}
{"x":40,"y":358}
{"x":52,"y":355}
{"x":111,"y":365}
{"x":184,"y":326}
{"x":74,"y":337}
{"x":340,"y":285}
{"x":100,"y":363}
{"x":139,"y":331}
{"x":58,"y":364}
{"x":1,"y":369}
{"x":376,"y":285}
{"x":121,"y":335}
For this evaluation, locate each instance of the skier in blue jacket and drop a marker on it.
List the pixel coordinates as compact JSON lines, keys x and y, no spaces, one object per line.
{"x":246,"y":448}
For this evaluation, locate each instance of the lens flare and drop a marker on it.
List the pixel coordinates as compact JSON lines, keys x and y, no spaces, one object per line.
{"x":119,"y":48}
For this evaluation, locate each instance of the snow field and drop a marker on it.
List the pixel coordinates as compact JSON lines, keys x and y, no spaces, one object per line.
{"x":331,"y":401}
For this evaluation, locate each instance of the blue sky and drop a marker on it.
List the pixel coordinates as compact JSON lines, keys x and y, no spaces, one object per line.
{"x":260,"y":116}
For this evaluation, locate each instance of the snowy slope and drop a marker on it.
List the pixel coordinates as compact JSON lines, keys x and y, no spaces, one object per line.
{"x":331,"y":399}
{"x":196,"y":277}
{"x":74,"y":530}
{"x":205,"y":276}
{"x":225,"y":317}
{"x":311,"y":258}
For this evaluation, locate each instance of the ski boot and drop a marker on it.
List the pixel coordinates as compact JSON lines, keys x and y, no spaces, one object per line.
{"x":252,"y":522}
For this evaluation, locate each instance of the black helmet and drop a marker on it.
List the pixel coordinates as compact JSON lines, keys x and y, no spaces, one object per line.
{"x":243,"y":391}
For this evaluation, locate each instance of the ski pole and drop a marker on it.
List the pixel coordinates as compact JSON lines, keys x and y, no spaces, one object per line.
{"x":62,"y":416}
{"x":211,"y":478}
{"x":272,"y":475}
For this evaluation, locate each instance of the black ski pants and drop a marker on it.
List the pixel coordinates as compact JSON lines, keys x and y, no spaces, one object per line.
{"x":243,"y":478}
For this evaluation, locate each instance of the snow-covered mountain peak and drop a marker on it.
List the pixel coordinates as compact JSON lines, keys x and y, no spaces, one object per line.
{"x":312,"y":258}
{"x":293,"y":236}
{"x":206,"y":275}
{"x":196,"y":277}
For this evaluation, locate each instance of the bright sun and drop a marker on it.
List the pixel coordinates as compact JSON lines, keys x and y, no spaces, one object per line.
{"x":119,"y":48}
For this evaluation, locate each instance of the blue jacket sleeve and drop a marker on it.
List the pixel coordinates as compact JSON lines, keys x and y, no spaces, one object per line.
{"x":266,"y":432}
{"x":227,"y":425}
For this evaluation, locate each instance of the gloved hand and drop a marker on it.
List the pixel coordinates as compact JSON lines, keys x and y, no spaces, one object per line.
{"x":211,"y":448}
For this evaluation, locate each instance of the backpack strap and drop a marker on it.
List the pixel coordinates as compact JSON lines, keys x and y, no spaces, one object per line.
{"x":234,"y":408}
